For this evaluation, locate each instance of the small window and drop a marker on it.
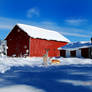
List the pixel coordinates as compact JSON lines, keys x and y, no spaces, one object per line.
{"x":25,"y":46}
{"x":10,"y":39}
{"x":18,"y":30}
{"x":27,"y":51}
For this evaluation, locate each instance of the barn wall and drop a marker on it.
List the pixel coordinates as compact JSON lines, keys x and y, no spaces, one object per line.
{"x":68,"y":53}
{"x":38,"y":47}
{"x":17,"y":42}
{"x":78,"y":53}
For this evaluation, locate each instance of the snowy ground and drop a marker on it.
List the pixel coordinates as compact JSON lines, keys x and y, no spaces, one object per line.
{"x":29,"y":75}
{"x":7,"y":63}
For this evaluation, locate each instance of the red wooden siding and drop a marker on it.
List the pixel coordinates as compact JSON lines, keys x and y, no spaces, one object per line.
{"x":17,"y":42}
{"x":38,"y":47}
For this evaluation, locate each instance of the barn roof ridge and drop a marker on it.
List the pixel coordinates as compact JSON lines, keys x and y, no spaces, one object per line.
{"x":37,"y":32}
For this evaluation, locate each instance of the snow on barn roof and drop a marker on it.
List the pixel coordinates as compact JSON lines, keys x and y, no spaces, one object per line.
{"x":41,"y":33}
{"x":76,"y":45}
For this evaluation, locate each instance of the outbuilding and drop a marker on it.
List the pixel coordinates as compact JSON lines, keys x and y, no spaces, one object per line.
{"x":26,"y":40}
{"x":77,"y":49}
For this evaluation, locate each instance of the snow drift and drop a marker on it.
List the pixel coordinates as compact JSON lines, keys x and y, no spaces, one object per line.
{"x":18,"y":88}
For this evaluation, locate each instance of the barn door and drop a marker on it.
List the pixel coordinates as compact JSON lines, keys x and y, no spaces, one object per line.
{"x":62,"y":53}
{"x":73,"y":53}
{"x":18,"y":50}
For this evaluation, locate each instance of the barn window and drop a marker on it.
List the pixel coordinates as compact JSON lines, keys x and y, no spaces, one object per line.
{"x":10,"y":39}
{"x":25,"y":46}
{"x":18,"y":30}
{"x":14,"y":55}
{"x":27,"y":51}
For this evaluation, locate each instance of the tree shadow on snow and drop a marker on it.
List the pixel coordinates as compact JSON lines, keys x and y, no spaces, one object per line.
{"x":46,"y":78}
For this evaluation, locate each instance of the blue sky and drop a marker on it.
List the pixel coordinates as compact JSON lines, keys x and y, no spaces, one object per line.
{"x":72,"y":18}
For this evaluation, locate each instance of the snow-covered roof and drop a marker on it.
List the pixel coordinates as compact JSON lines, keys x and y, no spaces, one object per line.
{"x":36,"y":32}
{"x":76,"y":45}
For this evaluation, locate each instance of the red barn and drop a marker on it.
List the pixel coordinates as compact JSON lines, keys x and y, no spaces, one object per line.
{"x":33,"y":41}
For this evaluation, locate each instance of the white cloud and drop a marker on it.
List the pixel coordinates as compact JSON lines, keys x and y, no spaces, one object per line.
{"x":75,"y":22}
{"x":5,"y":26}
{"x":74,"y":34}
{"x":33,"y":12}
{"x":8,"y":23}
{"x":19,"y":88}
{"x":65,"y":30}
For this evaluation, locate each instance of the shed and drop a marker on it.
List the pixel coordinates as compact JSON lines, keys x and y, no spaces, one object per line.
{"x":77,"y":49}
{"x":27,"y":40}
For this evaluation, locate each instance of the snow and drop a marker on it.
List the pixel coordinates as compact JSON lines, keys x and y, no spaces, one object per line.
{"x":3,"y":48}
{"x":76,"y":45}
{"x":69,"y":61}
{"x":36,"y":32}
{"x":29,"y":75}
{"x":77,"y":83}
{"x":18,"y":88}
{"x":6,"y":63}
